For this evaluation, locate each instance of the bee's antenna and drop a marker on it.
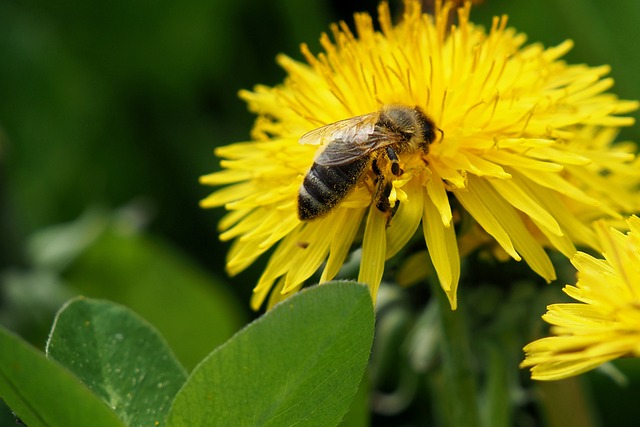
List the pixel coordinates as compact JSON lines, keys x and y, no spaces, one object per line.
{"x":442,"y":132}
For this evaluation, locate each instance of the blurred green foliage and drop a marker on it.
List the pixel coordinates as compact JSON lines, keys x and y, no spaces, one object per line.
{"x":105,"y":102}
{"x":121,"y":103}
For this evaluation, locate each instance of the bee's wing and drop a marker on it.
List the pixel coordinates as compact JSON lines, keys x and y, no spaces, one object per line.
{"x":346,"y":129}
{"x":346,"y":140}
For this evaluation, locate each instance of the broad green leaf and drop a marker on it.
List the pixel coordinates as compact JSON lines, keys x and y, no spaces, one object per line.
{"x":120,"y":357}
{"x":359,"y":414}
{"x":299,"y":364}
{"x":192,"y":310}
{"x":43,"y":393}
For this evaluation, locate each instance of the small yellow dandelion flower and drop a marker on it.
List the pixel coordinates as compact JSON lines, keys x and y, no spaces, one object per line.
{"x":507,"y":151}
{"x":605,"y":324}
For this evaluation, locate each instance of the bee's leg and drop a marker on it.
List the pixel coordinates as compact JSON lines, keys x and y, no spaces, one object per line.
{"x":395,"y":163}
{"x":382,"y":191}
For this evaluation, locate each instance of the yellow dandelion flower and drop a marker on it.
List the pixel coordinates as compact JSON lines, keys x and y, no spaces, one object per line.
{"x":506,"y":150}
{"x":605,"y":324}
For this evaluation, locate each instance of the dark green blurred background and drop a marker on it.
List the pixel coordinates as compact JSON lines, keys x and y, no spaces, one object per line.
{"x":105,"y":105}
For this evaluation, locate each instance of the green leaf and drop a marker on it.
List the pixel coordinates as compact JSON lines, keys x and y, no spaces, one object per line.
{"x":43,"y":393}
{"x":193,"y":310}
{"x":358,"y":414}
{"x":120,"y":357}
{"x":300,"y":364}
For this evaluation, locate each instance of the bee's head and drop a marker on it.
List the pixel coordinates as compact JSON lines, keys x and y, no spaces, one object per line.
{"x":425,"y":126}
{"x":412,"y":124}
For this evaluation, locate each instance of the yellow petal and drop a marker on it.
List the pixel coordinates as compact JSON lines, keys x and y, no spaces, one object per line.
{"x":506,"y":158}
{"x":374,"y":248}
{"x":405,"y":222}
{"x":276,"y":294}
{"x":473,"y":203}
{"x":523,"y":241}
{"x":552,"y":371}
{"x":561,"y":243}
{"x":348,"y":222}
{"x":313,"y":246}
{"x":228,"y":194}
{"x":279,"y":261}
{"x":439,"y":197}
{"x":559,"y":156}
{"x":258,"y":297}
{"x":518,"y":197}
{"x":576,"y":229}
{"x":443,"y":249}
{"x":557,"y":183}
{"x":286,"y":225}
{"x":248,"y":223}
{"x":456,"y":178}
{"x":240,"y":256}
{"x":482,"y":167}
{"x":231,"y":218}
{"x":225,"y":177}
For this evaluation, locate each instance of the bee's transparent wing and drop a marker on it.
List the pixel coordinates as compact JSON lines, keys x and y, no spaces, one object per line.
{"x":345,"y":141}
{"x":344,"y":129}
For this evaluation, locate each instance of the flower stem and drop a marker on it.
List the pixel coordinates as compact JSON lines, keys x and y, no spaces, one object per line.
{"x":459,"y":377}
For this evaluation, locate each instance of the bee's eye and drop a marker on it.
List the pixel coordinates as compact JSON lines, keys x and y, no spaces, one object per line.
{"x":406,"y":135}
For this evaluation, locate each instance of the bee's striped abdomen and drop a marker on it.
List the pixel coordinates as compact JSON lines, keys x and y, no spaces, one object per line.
{"x":325,"y":186}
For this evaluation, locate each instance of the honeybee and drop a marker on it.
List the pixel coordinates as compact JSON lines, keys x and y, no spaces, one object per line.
{"x":352,"y":147}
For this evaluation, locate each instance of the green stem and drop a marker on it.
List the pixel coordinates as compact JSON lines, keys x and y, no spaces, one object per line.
{"x":459,"y":377}
{"x":557,"y":396}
